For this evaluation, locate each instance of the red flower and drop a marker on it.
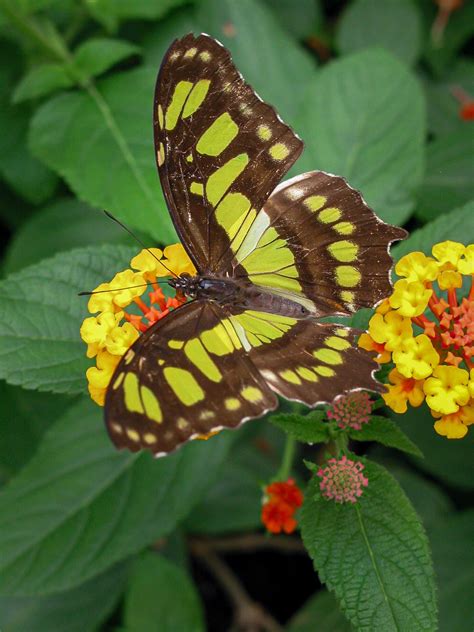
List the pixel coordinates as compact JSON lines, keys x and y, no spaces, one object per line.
{"x":467,"y":111}
{"x":281,"y":500}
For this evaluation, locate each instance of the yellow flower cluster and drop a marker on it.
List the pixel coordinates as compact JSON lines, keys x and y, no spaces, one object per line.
{"x":433,"y":352}
{"x":112,"y":330}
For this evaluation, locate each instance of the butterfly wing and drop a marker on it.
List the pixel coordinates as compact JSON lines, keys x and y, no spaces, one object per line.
{"x":317,"y":242}
{"x":188,"y":375}
{"x":220,"y":149}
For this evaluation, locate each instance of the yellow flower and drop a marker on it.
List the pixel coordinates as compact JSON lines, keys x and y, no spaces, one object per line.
{"x":448,"y":252}
{"x":410,"y":298}
{"x":176,"y":259}
{"x":94,"y":331}
{"x":103,"y":301}
{"x":466,"y":262}
{"x":121,"y":338}
{"x":99,"y":376}
{"x":383,"y":307}
{"x":403,"y":390}
{"x":449,"y":279}
{"x":417,"y":267}
{"x":447,"y":389}
{"x":127,"y":285}
{"x":416,"y":357}
{"x":471,"y":383}
{"x":390,"y":329}
{"x":454,"y":426}
{"x":366,"y":342}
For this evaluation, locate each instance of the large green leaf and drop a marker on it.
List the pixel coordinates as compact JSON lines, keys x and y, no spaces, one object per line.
{"x":311,"y":428}
{"x":458,"y":225}
{"x":97,"y":55}
{"x":40,"y":317}
{"x":81,"y":609}
{"x":453,"y":556}
{"x":302,"y":21}
{"x":80,"y":505}
{"x":41,"y":81}
{"x":63,"y":225}
{"x":364,"y":119}
{"x":24,"y":418}
{"x":386,"y":432}
{"x":110,"y":12}
{"x":449,"y":179}
{"x":374,"y":555}
{"x":392,"y":24}
{"x":321,"y":613}
{"x":446,"y":459}
{"x":161,"y":598}
{"x":101,"y":142}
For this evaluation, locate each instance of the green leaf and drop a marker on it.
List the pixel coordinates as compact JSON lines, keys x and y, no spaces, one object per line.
{"x":449,"y":180}
{"x":24,"y":418}
{"x":320,"y":613}
{"x":451,"y":541}
{"x":81,"y":609}
{"x":443,"y":107}
{"x":458,"y":225}
{"x":301,"y":22}
{"x":111,"y":12}
{"x":256,"y":40}
{"x":447,"y":459}
{"x":101,"y":142}
{"x":233,"y":503}
{"x":80,"y":505}
{"x":374,"y":555}
{"x":364,"y":119}
{"x":65,"y":224}
{"x":311,"y":428}
{"x":161,"y":598}
{"x":40,"y":317}
{"x":26,"y":175}
{"x":386,"y":432}
{"x":95,"y":56}
{"x":394,"y":25}
{"x":41,"y":81}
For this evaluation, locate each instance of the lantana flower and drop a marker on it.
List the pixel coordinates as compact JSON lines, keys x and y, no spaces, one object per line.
{"x":114,"y":326}
{"x":342,"y":480}
{"x":351,"y":410}
{"x":426,"y":328}
{"x":280,"y":502}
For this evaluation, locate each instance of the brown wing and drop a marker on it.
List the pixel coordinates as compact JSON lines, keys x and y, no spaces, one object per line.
{"x":188,"y":375}
{"x":318,"y":242}
{"x":220,"y":149}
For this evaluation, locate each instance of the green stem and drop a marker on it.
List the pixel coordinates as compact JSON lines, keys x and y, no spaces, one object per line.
{"x":287,"y":459}
{"x":342,"y":442}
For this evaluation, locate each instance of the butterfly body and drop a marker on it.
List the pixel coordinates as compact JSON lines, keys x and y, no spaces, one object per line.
{"x":237,"y":295}
{"x":272,"y":260}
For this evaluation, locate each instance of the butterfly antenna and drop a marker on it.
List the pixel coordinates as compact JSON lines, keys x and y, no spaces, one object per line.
{"x":119,"y":289}
{"x":117,"y":221}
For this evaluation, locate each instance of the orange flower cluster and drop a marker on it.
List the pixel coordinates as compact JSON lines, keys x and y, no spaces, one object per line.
{"x":281,"y":501}
{"x":426,"y":327}
{"x":112,"y":330}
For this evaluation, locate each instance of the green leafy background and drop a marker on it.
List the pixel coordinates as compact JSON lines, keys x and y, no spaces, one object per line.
{"x":92,"y":539}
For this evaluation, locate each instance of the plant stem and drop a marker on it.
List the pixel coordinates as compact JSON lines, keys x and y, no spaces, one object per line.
{"x":287,"y":459}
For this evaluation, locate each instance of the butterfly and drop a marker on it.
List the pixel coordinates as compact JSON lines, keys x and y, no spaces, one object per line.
{"x":272,"y":260}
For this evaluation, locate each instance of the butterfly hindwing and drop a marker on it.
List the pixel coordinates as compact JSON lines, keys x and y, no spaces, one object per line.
{"x":318,"y":242}
{"x":188,"y":375}
{"x":305,"y":360}
{"x":220,"y":149}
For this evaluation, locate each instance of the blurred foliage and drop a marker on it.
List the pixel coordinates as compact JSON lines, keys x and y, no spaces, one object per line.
{"x":375,"y":89}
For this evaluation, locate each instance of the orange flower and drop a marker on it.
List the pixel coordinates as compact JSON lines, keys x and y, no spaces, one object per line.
{"x":281,"y":500}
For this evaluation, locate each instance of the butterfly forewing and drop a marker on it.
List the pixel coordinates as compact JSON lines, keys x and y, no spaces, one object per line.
{"x":186,"y":376}
{"x":220,"y":149}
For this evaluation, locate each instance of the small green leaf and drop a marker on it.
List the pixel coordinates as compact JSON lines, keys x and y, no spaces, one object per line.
{"x":311,"y":428}
{"x":81,"y":609}
{"x":386,"y":432}
{"x":447,"y":459}
{"x":374,"y":555}
{"x":40,"y":317}
{"x":65,"y":224}
{"x":115,"y":169}
{"x":449,"y":180}
{"x":394,"y":25}
{"x":85,"y":505}
{"x":41,"y":81}
{"x":364,"y":119}
{"x":111,"y":11}
{"x":320,"y":613}
{"x":458,"y":225}
{"x":95,"y":56}
{"x":161,"y":598}
{"x":451,"y":541}
{"x":300,"y":23}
